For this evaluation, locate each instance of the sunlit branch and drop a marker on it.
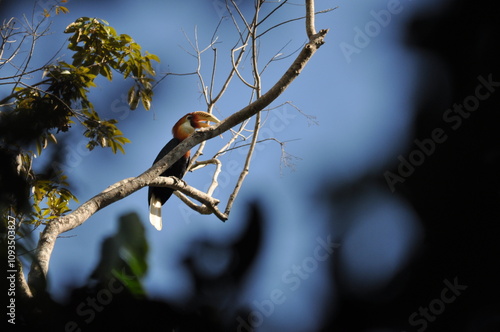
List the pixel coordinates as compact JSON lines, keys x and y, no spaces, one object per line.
{"x":65,"y":223}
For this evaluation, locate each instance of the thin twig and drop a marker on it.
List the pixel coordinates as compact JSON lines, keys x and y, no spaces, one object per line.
{"x":258,"y":93}
{"x":235,"y":69}
{"x":272,"y":12}
{"x":274,"y":58}
{"x":218,"y":167}
{"x":293,"y":20}
{"x":241,"y":15}
{"x":246,"y":167}
{"x":258,"y":142}
{"x":236,"y":134}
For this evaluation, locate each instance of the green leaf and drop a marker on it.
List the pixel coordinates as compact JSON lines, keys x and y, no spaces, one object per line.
{"x":120,"y":147}
{"x":38,"y":147}
{"x":113,"y":144}
{"x":122,"y":139}
{"x":106,"y":72}
{"x":52,"y":138}
{"x":146,"y":101}
{"x":131,"y":95}
{"x":135,"y":102}
{"x":126,"y":38}
{"x":152,"y":57}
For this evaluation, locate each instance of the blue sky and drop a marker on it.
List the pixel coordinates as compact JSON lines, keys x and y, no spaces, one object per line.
{"x":363,"y":104}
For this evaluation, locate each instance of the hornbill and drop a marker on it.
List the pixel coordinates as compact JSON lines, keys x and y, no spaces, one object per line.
{"x":157,"y":196}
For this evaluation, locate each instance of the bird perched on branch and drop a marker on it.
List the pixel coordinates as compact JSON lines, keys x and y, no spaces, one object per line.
{"x":157,"y":196}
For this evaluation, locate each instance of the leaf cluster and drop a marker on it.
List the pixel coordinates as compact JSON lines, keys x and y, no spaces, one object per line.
{"x":55,"y":194}
{"x":33,"y":114}
{"x":99,"y":48}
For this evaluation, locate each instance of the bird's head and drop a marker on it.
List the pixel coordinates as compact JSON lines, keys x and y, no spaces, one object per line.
{"x":190,"y":122}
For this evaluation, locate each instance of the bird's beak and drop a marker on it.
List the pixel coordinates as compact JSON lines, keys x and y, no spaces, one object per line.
{"x":205,"y":117}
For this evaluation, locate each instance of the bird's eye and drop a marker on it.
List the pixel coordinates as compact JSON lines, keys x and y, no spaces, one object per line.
{"x":189,"y":117}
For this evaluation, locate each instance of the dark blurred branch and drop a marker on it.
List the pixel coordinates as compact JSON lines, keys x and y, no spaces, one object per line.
{"x":24,"y":289}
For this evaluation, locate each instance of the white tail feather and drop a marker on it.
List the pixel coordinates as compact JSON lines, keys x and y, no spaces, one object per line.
{"x":155,"y":212}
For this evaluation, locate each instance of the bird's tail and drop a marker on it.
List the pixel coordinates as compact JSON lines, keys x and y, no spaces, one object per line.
{"x":155,"y":212}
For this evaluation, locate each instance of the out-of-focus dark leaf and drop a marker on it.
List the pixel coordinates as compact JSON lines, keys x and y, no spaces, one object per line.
{"x":124,"y":255}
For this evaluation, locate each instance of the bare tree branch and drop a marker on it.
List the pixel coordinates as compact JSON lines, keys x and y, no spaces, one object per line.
{"x":24,"y":289}
{"x":218,"y":166}
{"x":246,"y":167}
{"x":63,"y":224}
{"x":258,"y":91}
{"x":181,"y":186}
{"x":201,"y":209}
{"x":310,"y":27}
